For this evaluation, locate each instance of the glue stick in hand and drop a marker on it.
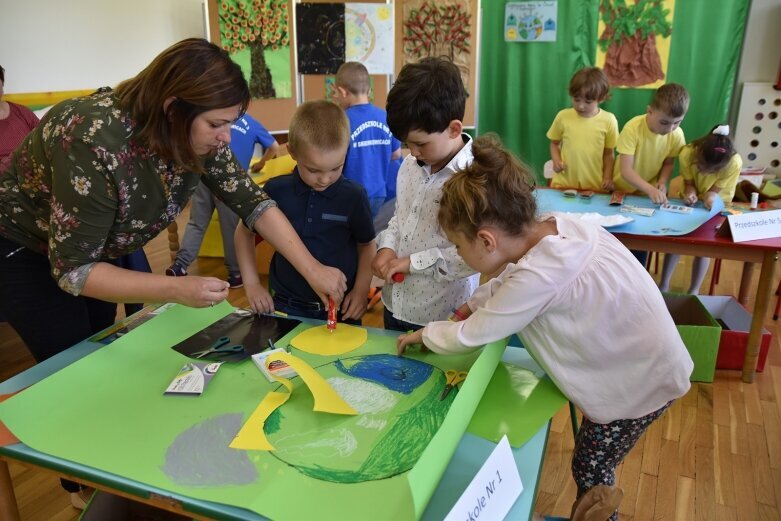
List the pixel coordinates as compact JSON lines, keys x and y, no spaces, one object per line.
{"x":331,"y":322}
{"x":398,"y":277}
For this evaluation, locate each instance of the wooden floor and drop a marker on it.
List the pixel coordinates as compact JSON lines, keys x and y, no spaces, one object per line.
{"x":715,"y":455}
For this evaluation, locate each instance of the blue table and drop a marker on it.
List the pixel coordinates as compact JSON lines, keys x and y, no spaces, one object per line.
{"x":471,"y":453}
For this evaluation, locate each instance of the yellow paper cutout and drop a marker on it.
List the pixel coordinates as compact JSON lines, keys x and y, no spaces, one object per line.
{"x":321,"y":341}
{"x":251,"y":435}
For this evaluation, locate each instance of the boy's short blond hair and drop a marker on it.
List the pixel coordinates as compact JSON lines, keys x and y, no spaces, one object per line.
{"x":354,"y":77}
{"x":672,"y":99}
{"x":590,"y":83}
{"x":319,"y":124}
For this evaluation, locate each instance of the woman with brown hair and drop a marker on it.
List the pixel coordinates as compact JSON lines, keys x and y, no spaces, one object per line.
{"x":104,"y":174}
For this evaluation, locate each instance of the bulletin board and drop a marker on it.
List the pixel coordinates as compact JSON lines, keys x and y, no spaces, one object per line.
{"x":275,"y":113}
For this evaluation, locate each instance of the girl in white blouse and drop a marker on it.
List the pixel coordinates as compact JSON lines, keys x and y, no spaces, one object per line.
{"x":583,"y":306}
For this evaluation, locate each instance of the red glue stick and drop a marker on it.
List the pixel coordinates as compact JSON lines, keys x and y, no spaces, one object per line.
{"x":331,"y":322}
{"x":398,"y":277}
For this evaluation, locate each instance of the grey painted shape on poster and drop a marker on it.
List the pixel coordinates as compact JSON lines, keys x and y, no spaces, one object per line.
{"x":200,"y":456}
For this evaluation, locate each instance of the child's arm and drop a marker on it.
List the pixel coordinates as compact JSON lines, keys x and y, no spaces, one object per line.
{"x":354,"y":304}
{"x":608,"y":161}
{"x":689,"y":193}
{"x":710,"y":196}
{"x":628,"y":172}
{"x":555,"y":155}
{"x":270,"y":153}
{"x":259,"y":298}
{"x":664,"y":174}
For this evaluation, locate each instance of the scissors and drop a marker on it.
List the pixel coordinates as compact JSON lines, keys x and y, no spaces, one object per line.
{"x":220,"y":347}
{"x":453,"y":379}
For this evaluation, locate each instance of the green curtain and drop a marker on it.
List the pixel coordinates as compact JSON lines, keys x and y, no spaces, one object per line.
{"x":524,"y":85}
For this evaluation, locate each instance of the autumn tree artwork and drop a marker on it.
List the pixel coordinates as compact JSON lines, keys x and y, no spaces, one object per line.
{"x":629,"y":40}
{"x":258,"y":26}
{"x":441,"y":28}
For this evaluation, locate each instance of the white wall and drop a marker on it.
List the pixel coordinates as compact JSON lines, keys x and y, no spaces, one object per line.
{"x":54,"y":45}
{"x":761,"y":56}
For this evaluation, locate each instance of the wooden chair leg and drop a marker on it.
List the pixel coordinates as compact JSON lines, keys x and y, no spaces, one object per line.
{"x":778,"y":302}
{"x":173,"y":240}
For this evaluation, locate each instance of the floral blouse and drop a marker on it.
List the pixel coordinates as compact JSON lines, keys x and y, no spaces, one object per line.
{"x":81,"y":189}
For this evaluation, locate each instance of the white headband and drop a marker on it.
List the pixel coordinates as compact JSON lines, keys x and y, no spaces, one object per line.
{"x":722,"y":130}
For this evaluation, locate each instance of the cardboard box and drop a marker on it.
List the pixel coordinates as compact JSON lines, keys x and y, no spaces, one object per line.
{"x":735,"y":323}
{"x":699,"y":331}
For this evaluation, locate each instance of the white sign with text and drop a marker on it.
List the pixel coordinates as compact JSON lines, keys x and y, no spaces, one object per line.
{"x":493,"y":490}
{"x":751,"y":226}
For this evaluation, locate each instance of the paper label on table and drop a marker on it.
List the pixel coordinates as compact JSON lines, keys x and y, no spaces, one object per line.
{"x":637,"y":210}
{"x":193,"y":378}
{"x":752,"y":226}
{"x":320,"y":340}
{"x":493,"y":490}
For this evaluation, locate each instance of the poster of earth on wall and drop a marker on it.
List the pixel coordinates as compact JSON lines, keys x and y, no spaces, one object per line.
{"x":633,"y":46}
{"x":257,"y":36}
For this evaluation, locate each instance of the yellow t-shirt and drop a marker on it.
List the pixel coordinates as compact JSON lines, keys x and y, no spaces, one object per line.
{"x":649,"y":150}
{"x":583,"y":141}
{"x":726,"y":178}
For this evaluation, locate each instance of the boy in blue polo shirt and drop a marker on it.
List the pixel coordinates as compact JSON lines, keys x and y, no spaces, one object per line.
{"x":373,"y":150}
{"x":329,"y":212}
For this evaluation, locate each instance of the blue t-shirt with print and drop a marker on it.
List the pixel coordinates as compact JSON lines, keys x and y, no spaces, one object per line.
{"x":371,"y":146}
{"x":245,"y":132}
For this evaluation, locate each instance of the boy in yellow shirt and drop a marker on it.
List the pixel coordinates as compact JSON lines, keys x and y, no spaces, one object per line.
{"x":649,"y":144}
{"x":583,"y":137}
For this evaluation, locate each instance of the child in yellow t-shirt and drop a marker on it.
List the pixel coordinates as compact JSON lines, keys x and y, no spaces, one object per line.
{"x":649,"y":143}
{"x":583,"y":137}
{"x":710,"y":168}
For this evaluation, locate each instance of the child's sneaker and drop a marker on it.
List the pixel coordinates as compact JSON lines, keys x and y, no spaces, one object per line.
{"x":175,"y":270}
{"x":234,"y":281}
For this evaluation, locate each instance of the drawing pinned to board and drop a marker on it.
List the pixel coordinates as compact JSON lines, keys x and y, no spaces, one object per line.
{"x":437,"y":29}
{"x":320,"y":38}
{"x":255,"y":33}
{"x":634,"y":41}
{"x":533,"y":21}
{"x":369,"y":36}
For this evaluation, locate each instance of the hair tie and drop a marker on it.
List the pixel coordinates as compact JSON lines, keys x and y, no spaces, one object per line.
{"x":721,"y":130}
{"x":720,"y":149}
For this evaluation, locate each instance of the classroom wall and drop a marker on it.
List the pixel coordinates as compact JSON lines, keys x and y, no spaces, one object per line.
{"x":55,"y":45}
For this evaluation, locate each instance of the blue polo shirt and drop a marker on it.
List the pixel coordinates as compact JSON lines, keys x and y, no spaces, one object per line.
{"x":245,"y":132}
{"x":330,"y":223}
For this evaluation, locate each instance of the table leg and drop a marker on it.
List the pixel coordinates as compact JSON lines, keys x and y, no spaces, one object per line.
{"x":8,"y":509}
{"x":764,"y":290}
{"x":745,"y":283}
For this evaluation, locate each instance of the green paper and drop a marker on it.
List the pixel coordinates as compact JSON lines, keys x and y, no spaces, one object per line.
{"x":516,"y":403}
{"x":180,"y":444}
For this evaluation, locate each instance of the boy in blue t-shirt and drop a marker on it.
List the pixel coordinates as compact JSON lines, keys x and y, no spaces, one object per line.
{"x":373,"y":149}
{"x":245,"y":133}
{"x":329,"y":212}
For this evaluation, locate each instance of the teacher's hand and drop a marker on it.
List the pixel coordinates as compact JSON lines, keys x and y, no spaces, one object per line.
{"x":200,"y":292}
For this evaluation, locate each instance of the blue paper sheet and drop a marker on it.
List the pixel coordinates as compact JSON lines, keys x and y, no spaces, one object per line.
{"x":660,"y":223}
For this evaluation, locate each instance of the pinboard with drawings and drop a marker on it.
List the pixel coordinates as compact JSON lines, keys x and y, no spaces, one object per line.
{"x":758,"y":136}
{"x":269,"y":40}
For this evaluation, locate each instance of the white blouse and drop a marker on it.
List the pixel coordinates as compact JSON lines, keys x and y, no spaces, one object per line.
{"x":439,"y":279}
{"x":590,"y":315}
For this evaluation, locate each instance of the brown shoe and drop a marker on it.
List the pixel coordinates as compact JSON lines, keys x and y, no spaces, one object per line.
{"x":597,"y":504}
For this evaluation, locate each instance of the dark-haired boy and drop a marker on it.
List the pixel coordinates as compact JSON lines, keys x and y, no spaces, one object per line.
{"x":425,"y":110}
